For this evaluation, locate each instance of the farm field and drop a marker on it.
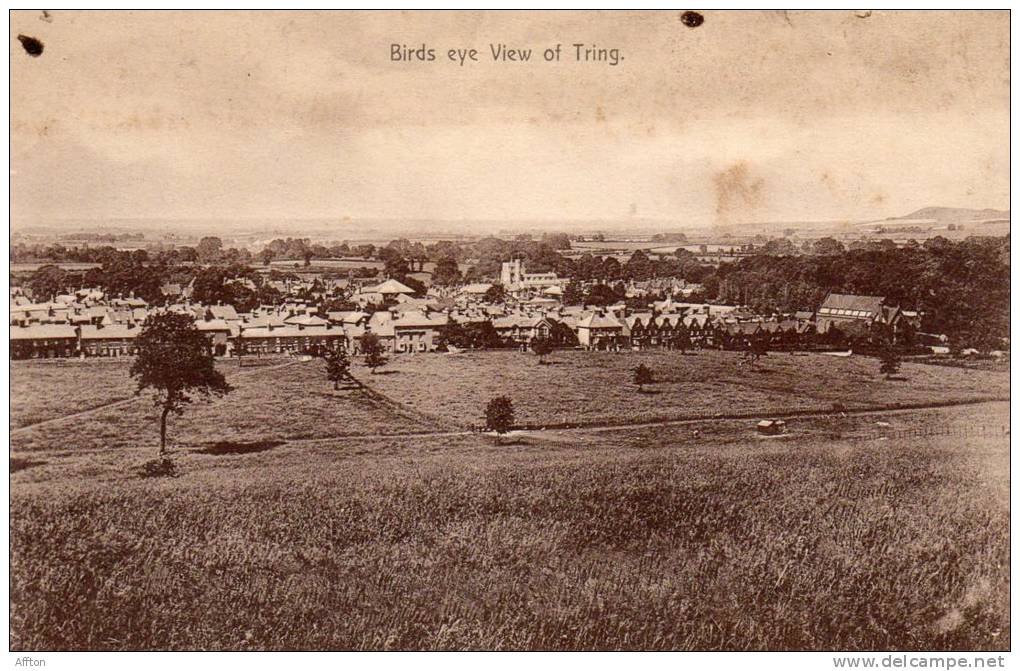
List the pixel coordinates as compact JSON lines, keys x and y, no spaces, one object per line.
{"x":595,"y":387}
{"x":834,"y":537}
{"x":304,"y":518}
{"x":269,"y":403}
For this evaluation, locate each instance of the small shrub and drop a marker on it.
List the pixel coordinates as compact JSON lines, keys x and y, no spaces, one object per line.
{"x":159,"y":468}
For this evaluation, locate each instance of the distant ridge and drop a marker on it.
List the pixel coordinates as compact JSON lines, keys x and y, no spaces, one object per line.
{"x":955,"y":214}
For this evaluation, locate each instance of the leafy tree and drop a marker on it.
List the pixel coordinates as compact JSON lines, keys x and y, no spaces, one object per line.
{"x":175,"y":362}
{"x":890,"y":359}
{"x":561,"y":334}
{"x":759,"y":347}
{"x":682,"y":338}
{"x":543,"y":347}
{"x":48,"y":281}
{"x":601,"y":295}
{"x":338,"y":366}
{"x":446,"y":273}
{"x":573,"y":294}
{"x":499,"y":415}
{"x":374,"y":351}
{"x":495,"y":294}
{"x":209,"y":249}
{"x":643,"y":375}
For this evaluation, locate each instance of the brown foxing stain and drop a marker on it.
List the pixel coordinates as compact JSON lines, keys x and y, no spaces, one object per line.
{"x":736,"y":191}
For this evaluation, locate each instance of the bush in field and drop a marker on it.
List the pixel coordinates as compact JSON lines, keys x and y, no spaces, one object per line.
{"x":159,"y":468}
{"x":373,"y":350}
{"x":890,"y":361}
{"x":643,"y":375}
{"x":543,"y":347}
{"x":338,"y":366}
{"x":175,"y":361}
{"x":499,"y":415}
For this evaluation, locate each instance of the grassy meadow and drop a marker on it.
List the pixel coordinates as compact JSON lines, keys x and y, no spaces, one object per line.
{"x":270,"y":403}
{"x":304,"y":518}
{"x":595,"y":387}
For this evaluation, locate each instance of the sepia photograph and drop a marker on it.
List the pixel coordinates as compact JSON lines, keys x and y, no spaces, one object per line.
{"x":499,"y":330}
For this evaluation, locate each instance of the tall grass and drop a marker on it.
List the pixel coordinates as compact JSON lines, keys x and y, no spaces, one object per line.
{"x":821,"y":545}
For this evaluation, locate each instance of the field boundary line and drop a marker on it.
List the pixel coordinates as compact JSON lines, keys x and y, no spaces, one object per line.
{"x":123,"y":401}
{"x":788,"y":414}
{"x":405,"y":411}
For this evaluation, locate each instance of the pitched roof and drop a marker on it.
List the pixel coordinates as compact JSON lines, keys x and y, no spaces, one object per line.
{"x":43,"y":331}
{"x":850,"y":305}
{"x":418,"y":319}
{"x":223,"y":312}
{"x":306,"y":320}
{"x":117,"y":331}
{"x":596,"y":320}
{"x":391,"y":286}
{"x":212,"y":325}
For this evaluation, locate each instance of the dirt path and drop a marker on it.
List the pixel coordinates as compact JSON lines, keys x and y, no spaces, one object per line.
{"x":125,"y":401}
{"x":555,"y":433}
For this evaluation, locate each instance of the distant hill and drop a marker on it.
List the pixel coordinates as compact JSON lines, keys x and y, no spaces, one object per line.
{"x":955,"y":214}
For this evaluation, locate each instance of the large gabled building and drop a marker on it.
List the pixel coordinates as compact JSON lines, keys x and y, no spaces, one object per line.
{"x":842,"y":310}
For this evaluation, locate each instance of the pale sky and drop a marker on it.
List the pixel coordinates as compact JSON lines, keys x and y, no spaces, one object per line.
{"x":749,"y":117}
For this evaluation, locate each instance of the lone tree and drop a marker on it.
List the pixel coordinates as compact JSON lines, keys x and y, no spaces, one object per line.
{"x":642,"y":376}
{"x":175,"y":363}
{"x":890,"y":359}
{"x":683,"y":339}
{"x":373,"y":350}
{"x":499,"y":415}
{"x":338,"y":366}
{"x":543,"y":347}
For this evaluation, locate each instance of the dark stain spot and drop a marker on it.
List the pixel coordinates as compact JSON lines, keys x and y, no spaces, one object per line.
{"x":691,"y":19}
{"x":33,"y":47}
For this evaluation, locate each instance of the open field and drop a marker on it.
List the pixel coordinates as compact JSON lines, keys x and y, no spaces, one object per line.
{"x":595,"y":387}
{"x":305,"y":518}
{"x":325,"y":264}
{"x":609,"y":539}
{"x":269,"y":403}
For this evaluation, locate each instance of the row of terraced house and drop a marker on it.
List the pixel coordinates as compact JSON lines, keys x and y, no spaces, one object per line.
{"x":88,"y":326}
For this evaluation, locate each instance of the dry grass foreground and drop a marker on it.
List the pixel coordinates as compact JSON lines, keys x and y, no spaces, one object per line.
{"x":635,"y":538}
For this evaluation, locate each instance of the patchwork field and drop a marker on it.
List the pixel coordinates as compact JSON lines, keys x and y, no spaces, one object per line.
{"x":596,"y":387}
{"x":304,"y":518}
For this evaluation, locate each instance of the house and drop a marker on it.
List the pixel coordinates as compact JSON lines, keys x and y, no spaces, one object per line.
{"x":43,"y":341}
{"x":642,"y":329}
{"x":841,"y":310}
{"x":416,"y":332}
{"x":219,"y":334}
{"x":522,"y":329}
{"x":289,"y":338}
{"x":108,"y":340}
{"x":600,"y":332}
{"x":225,"y":312}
